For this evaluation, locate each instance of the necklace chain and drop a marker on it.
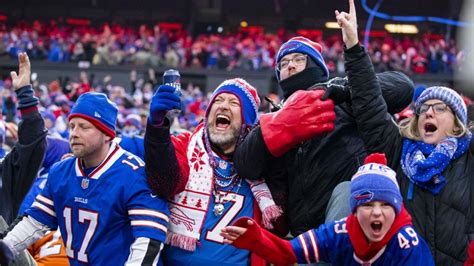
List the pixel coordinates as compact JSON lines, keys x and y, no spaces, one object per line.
{"x":221,"y":194}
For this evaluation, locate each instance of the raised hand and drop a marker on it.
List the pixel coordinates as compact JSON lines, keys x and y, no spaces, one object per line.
{"x":348,"y":24}
{"x":165,"y":99}
{"x":24,"y":72}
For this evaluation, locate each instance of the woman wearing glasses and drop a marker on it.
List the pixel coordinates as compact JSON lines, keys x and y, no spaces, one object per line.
{"x":429,"y":151}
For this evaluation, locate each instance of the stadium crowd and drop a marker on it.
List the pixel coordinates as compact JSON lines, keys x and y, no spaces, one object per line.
{"x":57,"y":41}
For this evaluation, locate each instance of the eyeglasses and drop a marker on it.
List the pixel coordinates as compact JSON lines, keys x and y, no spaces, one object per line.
{"x":297,"y":60}
{"x":438,"y":108}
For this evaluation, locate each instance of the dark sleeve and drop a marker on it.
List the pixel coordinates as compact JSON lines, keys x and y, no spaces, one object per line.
{"x":166,"y":175}
{"x":252,"y":156}
{"x":22,"y":164}
{"x":253,"y":161}
{"x":397,"y":89}
{"x":376,"y":126}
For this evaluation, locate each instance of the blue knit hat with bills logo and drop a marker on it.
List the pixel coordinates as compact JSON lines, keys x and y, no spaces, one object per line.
{"x":375,"y":181}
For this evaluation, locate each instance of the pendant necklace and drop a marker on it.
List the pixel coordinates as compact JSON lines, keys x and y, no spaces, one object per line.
{"x":221,"y":197}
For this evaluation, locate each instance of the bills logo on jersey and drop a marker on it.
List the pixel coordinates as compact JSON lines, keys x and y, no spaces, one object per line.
{"x":85,"y":183}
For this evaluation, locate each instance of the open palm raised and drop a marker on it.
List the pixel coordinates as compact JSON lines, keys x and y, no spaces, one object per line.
{"x":24,"y":71}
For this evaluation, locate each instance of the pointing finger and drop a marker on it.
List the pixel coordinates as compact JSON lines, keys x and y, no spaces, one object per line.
{"x":352,"y":9}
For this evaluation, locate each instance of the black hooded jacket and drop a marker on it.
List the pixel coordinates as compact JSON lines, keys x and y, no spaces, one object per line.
{"x":303,"y":179}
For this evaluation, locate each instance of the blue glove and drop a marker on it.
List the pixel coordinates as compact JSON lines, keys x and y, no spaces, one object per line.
{"x":6,"y":254}
{"x":165,"y":99}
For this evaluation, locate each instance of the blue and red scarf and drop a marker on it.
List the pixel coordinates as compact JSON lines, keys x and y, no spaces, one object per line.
{"x":365,"y":250}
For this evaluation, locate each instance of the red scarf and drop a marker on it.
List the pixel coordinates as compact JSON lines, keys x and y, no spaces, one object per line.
{"x":365,"y":250}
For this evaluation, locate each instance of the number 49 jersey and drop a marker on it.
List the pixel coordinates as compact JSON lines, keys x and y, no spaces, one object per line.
{"x":102,"y":213}
{"x":331,"y":243}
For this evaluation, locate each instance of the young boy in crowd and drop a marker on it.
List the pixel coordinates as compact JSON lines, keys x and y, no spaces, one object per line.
{"x":378,"y":232}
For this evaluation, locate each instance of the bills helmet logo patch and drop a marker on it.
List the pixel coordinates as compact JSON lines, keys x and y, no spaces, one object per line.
{"x":289,"y":47}
{"x":364,"y":196}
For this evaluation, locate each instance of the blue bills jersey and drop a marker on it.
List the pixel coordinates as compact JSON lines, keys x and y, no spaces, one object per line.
{"x":210,"y":249}
{"x":102,"y":213}
{"x":331,"y":243}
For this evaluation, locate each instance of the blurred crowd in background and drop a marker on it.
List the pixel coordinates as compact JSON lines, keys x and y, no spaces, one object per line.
{"x":57,"y":98}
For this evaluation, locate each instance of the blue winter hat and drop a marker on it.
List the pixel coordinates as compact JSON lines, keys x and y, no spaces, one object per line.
{"x":305,"y":46}
{"x":48,"y":115}
{"x":247,"y":95}
{"x":448,"y":96}
{"x":98,"y":109}
{"x":418,"y":91}
{"x":375,"y":181}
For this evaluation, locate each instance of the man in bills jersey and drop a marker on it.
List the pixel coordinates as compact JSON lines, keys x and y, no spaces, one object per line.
{"x":99,"y":198}
{"x":378,"y":232}
{"x":195,"y":172}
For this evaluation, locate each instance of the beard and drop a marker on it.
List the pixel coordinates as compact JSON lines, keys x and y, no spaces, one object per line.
{"x":86,"y":150}
{"x":223,"y":141}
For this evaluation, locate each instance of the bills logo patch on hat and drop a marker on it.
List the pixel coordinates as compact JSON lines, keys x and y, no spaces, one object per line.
{"x":364,"y":196}
{"x":96,"y":114}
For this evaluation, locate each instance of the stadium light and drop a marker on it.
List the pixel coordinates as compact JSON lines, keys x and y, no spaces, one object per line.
{"x":331,"y":25}
{"x":401,"y":28}
{"x":243,"y":24}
